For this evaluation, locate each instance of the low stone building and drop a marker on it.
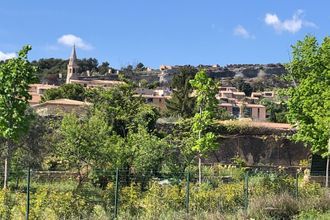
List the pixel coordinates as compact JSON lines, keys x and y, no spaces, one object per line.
{"x":59,"y":107}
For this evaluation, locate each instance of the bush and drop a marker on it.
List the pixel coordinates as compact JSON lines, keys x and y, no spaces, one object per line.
{"x":6,"y":204}
{"x":281,"y":206}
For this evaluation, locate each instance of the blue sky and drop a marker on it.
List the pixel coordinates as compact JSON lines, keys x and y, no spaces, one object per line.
{"x":162,"y":32}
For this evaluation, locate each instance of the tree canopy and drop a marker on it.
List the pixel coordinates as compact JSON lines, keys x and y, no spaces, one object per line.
{"x":182,"y":103}
{"x":67,"y":91}
{"x":15,"y":76}
{"x":309,"y":99}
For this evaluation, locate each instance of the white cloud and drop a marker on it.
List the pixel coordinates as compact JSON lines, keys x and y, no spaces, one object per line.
{"x":242,"y":32}
{"x":292,"y":25}
{"x":70,"y":40}
{"x":6,"y":56}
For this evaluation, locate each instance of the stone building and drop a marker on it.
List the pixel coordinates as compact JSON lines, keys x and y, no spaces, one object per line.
{"x":60,"y":107}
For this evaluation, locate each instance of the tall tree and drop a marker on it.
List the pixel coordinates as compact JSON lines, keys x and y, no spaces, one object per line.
{"x":104,"y":68}
{"x":243,"y":86}
{"x":206,"y":89}
{"x":124,"y":112}
{"x":85,"y":141}
{"x":89,"y":64}
{"x":15,"y":76}
{"x":182,"y":103}
{"x":309,"y":99}
{"x":140,"y":67}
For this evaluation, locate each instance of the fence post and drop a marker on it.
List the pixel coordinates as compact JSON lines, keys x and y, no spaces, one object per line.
{"x":297,"y":185}
{"x":246,"y":190}
{"x":116,"y":193}
{"x":187,"y":192}
{"x":28,"y":194}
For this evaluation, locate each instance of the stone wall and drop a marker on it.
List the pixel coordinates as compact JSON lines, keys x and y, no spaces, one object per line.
{"x":256,"y":150}
{"x":255,"y":145}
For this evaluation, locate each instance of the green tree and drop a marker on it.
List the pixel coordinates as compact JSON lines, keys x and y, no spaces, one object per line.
{"x":124,"y":112}
{"x":49,"y":70}
{"x":277,"y":110}
{"x":89,"y":64}
{"x":241,"y":85}
{"x":67,"y":91}
{"x":147,"y":151}
{"x":182,"y":103}
{"x":85,"y":142}
{"x":206,"y":90}
{"x":15,"y":76}
{"x":309,"y":99}
{"x":140,"y":67}
{"x":104,"y":68}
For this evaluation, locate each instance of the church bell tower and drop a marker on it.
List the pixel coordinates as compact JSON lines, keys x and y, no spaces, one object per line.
{"x":72,"y":69}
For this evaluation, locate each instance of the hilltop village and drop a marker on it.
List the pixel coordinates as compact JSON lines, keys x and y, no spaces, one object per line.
{"x":155,"y":87}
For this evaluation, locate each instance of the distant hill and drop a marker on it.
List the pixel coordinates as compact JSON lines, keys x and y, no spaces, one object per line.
{"x":245,"y":70}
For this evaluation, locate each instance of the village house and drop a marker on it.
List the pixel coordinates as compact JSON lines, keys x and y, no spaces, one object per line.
{"x":240,"y":106}
{"x":37,"y":90}
{"x":154,"y":97}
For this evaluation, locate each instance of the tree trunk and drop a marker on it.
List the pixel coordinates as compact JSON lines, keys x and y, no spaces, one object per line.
{"x":6,"y":168}
{"x":5,"y":178}
{"x":199,"y":169}
{"x":327,"y":173}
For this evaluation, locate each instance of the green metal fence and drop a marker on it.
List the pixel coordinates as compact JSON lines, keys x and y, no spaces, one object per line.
{"x":224,"y":190}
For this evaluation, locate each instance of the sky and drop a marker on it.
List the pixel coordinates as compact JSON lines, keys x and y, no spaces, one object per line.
{"x":155,"y":32}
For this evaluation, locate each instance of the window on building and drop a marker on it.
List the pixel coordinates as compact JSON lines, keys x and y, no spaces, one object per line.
{"x":248,"y":112}
{"x":235,"y":111}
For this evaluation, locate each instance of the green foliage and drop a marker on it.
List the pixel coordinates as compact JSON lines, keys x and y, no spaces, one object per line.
{"x":147,"y":151}
{"x":309,"y":100}
{"x":15,"y":76}
{"x":140,"y":67}
{"x":123,"y":111}
{"x":281,"y":206}
{"x":6,"y":204}
{"x":90,"y":64}
{"x":206,"y":90}
{"x":277,"y":110}
{"x":67,"y":91}
{"x":182,"y":103}
{"x":243,"y":86}
{"x":85,"y":141}
{"x":49,"y":70}
{"x":63,"y":200}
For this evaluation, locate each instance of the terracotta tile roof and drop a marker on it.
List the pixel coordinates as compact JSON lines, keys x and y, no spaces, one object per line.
{"x":97,"y":82}
{"x":226,"y":104}
{"x":64,"y":102}
{"x":39,"y":85}
{"x":152,"y":96}
{"x":271,"y":125}
{"x":255,"y":106}
{"x":238,"y":93}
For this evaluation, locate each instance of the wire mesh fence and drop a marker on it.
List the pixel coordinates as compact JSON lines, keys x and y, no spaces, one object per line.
{"x":225,"y":189}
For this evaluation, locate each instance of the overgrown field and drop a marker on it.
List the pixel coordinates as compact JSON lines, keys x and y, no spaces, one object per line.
{"x":225,"y":193}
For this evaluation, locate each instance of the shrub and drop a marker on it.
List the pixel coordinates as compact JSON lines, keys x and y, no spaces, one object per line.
{"x":282,"y":206}
{"x":6,"y":204}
